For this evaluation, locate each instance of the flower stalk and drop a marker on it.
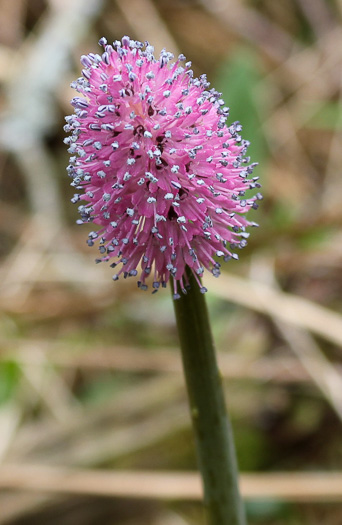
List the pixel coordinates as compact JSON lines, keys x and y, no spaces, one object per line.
{"x":213,"y":434}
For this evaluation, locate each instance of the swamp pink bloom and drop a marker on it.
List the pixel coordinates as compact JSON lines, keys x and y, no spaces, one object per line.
{"x":161,"y":173}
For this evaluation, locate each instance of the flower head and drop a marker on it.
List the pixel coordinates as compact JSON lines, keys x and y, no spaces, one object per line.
{"x":159,"y":171}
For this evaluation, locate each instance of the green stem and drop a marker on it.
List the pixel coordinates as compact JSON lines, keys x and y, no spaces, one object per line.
{"x":214,"y":439}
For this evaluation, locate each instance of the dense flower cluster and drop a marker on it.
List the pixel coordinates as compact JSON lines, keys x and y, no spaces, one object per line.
{"x":161,"y":173}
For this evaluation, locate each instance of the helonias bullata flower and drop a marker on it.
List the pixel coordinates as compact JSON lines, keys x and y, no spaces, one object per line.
{"x":160,"y":172}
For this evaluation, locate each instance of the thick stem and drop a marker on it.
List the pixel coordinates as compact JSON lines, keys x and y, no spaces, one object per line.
{"x":214,"y":439}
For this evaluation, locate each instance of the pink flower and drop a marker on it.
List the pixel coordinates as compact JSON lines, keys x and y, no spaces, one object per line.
{"x":161,"y":173}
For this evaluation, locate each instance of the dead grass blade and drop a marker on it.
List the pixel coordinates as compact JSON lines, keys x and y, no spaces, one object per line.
{"x":299,"y":486}
{"x":43,"y":353}
{"x":147,"y":24}
{"x":283,"y":306}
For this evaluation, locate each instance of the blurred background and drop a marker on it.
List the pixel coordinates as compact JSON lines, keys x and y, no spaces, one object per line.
{"x":91,"y":387}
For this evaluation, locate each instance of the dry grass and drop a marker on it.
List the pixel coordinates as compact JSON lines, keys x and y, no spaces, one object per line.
{"x":91,"y":392}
